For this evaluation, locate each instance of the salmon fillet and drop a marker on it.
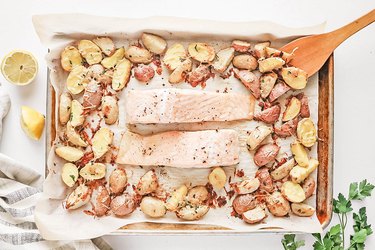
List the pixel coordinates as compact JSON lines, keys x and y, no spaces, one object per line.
{"x":186,"y":106}
{"x":200,"y":149}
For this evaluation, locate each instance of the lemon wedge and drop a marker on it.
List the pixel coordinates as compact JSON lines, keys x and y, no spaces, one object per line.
{"x":32,"y":122}
{"x":19,"y":67}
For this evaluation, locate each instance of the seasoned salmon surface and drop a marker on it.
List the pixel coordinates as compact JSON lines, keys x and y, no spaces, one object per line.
{"x":181,"y":149}
{"x":186,"y":106}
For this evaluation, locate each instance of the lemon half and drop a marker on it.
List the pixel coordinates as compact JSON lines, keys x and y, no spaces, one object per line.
{"x":19,"y":67}
{"x":32,"y":122}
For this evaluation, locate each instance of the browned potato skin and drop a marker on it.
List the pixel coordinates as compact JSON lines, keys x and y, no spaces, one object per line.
{"x":249,"y":80}
{"x":199,"y":76}
{"x":123,"y":205}
{"x":117,"y":181}
{"x":265,"y":154}
{"x":102,"y":202}
{"x":278,"y":90}
{"x":253,"y":220}
{"x":144,"y":73}
{"x":266,"y":182}
{"x":245,"y":61}
{"x":309,"y":186}
{"x":270,"y":115}
{"x":287,"y":129}
{"x":277,"y":204}
{"x":92,"y":96}
{"x":243,"y":203}
{"x":305,"y":109}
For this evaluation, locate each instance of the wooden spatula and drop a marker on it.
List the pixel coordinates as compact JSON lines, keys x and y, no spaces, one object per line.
{"x":312,"y":51}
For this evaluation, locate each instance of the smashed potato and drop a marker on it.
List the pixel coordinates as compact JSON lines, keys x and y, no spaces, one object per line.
{"x":144,"y":73}
{"x":77,"y":80}
{"x":174,"y":56}
{"x":192,"y":212}
{"x":177,"y":198}
{"x":154,"y":43}
{"x":294,"y":77}
{"x":148,"y":183}
{"x":277,"y":204}
{"x":68,"y":153}
{"x":222,"y":60}
{"x":123,"y":205}
{"x":110,"y":109}
{"x":153,"y":207}
{"x":137,"y":54}
{"x":100,"y":201}
{"x":79,"y":197}
{"x":197,"y":195}
{"x":121,"y":75}
{"x":93,"y":171}
{"x":101,"y":142}
{"x":306,"y":132}
{"x":70,"y":58}
{"x":111,"y":61}
{"x":105,"y":44}
{"x":269,"y":64}
{"x":69,"y":174}
{"x":293,"y":192}
{"x":302,"y":209}
{"x":257,"y":136}
{"x":292,"y":109}
{"x":300,"y":154}
{"x":118,"y":181}
{"x":202,"y":52}
{"x":217,"y":178}
{"x":90,"y":51}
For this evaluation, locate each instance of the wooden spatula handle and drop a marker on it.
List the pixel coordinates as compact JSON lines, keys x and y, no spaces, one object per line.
{"x":348,"y":30}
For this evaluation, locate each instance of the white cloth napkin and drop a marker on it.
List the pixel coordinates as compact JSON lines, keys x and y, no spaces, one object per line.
{"x":20,"y":188}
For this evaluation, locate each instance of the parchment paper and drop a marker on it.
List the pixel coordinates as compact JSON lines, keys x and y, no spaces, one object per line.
{"x":57,"y":31}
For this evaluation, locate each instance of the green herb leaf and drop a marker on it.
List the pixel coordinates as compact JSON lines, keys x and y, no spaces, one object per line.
{"x":289,"y":242}
{"x":73,"y":177}
{"x":361,"y":191}
{"x":360,"y":236}
{"x":342,"y":205}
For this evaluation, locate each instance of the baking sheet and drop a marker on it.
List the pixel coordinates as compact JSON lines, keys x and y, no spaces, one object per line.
{"x":56,"y":31}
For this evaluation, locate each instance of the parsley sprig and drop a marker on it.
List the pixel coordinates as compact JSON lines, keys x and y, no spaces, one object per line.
{"x":334,"y":239}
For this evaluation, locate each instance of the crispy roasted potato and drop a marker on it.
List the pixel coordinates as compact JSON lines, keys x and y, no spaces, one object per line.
{"x":121,"y":75}
{"x":192,"y":212}
{"x":292,"y":109}
{"x":287,"y":129}
{"x":277,"y":204}
{"x":271,"y":52}
{"x":199,"y":75}
{"x":117,"y":181}
{"x":69,"y":153}
{"x":267,"y":82}
{"x":293,"y":192}
{"x":254,"y":216}
{"x":222,"y":60}
{"x":300,"y":154}
{"x":257,"y":136}
{"x":100,"y":201}
{"x":144,"y":73}
{"x":305,"y":110}
{"x":202,"y":52}
{"x":197,"y":195}
{"x":101,"y":142}
{"x":294,"y":77}
{"x":95,"y":71}
{"x":177,"y":198}
{"x":178,"y":75}
{"x":154,"y":43}
{"x":110,"y":109}
{"x":111,"y":61}
{"x":245,"y":61}
{"x":260,"y":49}
{"x":241,"y":46}
{"x":174,"y":56}
{"x":137,"y":54}
{"x":217,"y":178}
{"x":243,"y":203}
{"x":298,"y":174}
{"x":92,"y":95}
{"x":309,"y":186}
{"x":74,"y":137}
{"x":93,"y":171}
{"x":153,"y":207}
{"x":246,"y":186}
{"x":69,"y":174}
{"x":265,"y":154}
{"x":249,"y":80}
{"x":278,"y":90}
{"x":106,"y":77}
{"x":105,"y":44}
{"x":283,"y":170}
{"x":269,"y":64}
{"x":77,"y":80}
{"x":65,"y":107}
{"x":270,"y":115}
{"x":266,"y":182}
{"x":302,"y":209}
{"x":306,"y":132}
{"x":123,"y":205}
{"x":148,"y":183}
{"x":80,"y":196}
{"x":90,"y":51}
{"x":70,"y":58}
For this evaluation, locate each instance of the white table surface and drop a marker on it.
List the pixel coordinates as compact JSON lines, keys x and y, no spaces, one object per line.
{"x":354,"y":90}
